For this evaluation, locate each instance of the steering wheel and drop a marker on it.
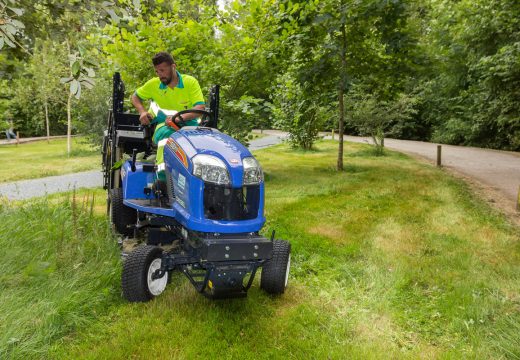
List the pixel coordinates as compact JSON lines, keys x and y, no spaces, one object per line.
{"x":206,"y":116}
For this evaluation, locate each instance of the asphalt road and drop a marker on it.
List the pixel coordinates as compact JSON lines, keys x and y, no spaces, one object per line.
{"x":26,"y":189}
{"x":499,"y":170}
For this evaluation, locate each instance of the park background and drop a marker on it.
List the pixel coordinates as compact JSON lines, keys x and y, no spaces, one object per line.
{"x":391,"y":257}
{"x":431,"y":70}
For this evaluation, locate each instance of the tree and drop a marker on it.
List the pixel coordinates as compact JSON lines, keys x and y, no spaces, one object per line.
{"x":80,"y":75}
{"x":46,"y":67}
{"x":378,"y":118}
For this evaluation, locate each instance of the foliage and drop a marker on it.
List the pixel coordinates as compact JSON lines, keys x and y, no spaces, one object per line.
{"x":378,"y":118}
{"x":55,"y":267}
{"x":458,"y":60}
{"x":302,"y":118}
{"x":239,"y":117}
{"x":10,"y":27}
{"x":91,"y":111}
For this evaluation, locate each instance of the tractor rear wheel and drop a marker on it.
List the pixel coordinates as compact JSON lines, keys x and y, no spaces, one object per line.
{"x":275,"y":272}
{"x":138,"y":269}
{"x":121,"y":216}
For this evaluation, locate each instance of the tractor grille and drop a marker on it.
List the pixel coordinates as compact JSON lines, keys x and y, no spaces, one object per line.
{"x":226,"y":203}
{"x":169,"y":183}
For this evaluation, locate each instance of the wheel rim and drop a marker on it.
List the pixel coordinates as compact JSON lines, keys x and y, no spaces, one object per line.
{"x":287,"y":270}
{"x":157,"y":286}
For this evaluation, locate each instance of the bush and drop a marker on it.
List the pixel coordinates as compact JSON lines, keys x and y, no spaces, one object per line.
{"x":300,"y":116}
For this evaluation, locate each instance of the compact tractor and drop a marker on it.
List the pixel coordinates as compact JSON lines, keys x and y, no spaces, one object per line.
{"x":204,"y":220}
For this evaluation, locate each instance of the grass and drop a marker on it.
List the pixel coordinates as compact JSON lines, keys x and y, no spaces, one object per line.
{"x":391,"y":259}
{"x":39,"y":159}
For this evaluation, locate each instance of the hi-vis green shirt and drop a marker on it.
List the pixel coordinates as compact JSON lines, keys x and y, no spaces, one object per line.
{"x":184,"y":96}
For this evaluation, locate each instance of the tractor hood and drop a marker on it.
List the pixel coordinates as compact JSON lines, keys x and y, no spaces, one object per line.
{"x":208,"y":141}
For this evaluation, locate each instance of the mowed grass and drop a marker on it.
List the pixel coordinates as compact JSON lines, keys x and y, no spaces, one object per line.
{"x":391,"y":259}
{"x":39,"y":159}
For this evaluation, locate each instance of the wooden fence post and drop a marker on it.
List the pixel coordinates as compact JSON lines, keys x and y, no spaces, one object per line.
{"x":518,"y":199}
{"x":17,"y":138}
{"x":439,"y":155}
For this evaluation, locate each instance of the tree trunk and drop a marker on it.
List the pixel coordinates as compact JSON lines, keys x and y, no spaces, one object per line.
{"x":69,"y":105}
{"x":47,"y":120}
{"x":69,"y":123}
{"x":341,"y":92}
{"x":340,"y":135}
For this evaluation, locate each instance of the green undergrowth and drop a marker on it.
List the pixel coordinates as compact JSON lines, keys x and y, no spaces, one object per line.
{"x":390,"y":259}
{"x":39,"y":159}
{"x":58,"y":268}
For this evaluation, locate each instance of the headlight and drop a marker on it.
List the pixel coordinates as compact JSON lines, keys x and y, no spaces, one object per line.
{"x":252,"y":171}
{"x":210,"y":169}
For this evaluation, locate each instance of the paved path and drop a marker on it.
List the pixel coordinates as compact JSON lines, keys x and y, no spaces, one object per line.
{"x":31,"y":139}
{"x":499,"y":170}
{"x":26,"y":189}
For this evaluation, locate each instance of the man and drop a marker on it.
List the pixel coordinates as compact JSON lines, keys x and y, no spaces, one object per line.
{"x":9,"y":132}
{"x":170,"y":91}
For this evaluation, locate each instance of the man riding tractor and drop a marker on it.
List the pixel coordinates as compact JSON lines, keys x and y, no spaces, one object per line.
{"x":170,"y":90}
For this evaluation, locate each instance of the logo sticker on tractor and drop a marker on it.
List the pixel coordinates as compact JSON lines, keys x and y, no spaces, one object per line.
{"x":177,"y":150}
{"x":235,"y":161}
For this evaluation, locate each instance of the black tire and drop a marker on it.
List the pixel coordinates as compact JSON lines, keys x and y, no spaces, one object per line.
{"x":134,"y":279}
{"x":121,"y":216}
{"x":275,"y":271}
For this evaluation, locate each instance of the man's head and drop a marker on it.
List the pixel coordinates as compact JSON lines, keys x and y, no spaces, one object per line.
{"x":164,"y":66}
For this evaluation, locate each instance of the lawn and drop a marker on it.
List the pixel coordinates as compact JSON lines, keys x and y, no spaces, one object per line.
{"x":39,"y":159}
{"x":391,"y":259}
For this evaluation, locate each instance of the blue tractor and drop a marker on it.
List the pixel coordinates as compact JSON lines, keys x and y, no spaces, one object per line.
{"x":203,"y":221}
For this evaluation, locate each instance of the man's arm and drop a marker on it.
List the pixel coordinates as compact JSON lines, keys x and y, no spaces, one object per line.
{"x":190,"y":116}
{"x":144,"y":116}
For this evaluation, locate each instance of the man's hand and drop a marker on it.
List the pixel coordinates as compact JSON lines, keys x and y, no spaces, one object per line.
{"x":145,"y":117}
{"x":169,"y":122}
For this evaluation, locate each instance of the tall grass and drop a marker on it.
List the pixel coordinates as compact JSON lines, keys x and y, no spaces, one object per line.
{"x":391,"y":259}
{"x":58,"y":267}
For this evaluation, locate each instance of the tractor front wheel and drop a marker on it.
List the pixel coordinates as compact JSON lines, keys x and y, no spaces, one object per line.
{"x":275,"y":272}
{"x":122,"y":216}
{"x":138,"y":270}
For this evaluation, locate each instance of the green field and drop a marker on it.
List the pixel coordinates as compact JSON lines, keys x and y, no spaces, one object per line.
{"x":391,"y":259}
{"x":39,"y":159}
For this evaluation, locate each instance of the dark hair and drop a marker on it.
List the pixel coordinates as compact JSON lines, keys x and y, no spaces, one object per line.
{"x":162,"y":57}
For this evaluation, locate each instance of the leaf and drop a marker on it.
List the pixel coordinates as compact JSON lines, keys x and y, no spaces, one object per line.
{"x":113,"y":15}
{"x":18,"y":24}
{"x":1,"y":43}
{"x":10,"y":28}
{"x":89,"y":84}
{"x":90,"y":72}
{"x":8,"y":41}
{"x":74,"y":87}
{"x":76,"y":67}
{"x":81,"y":50}
{"x":137,"y":5}
{"x":66,"y":80}
{"x":78,"y":93}
{"x":17,"y":11}
{"x":91,"y":62}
